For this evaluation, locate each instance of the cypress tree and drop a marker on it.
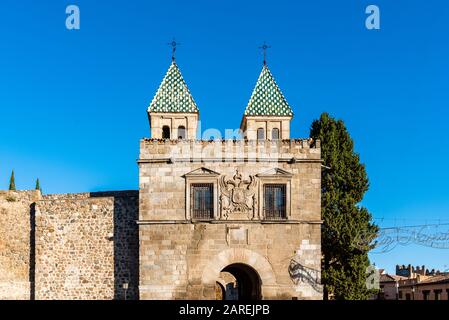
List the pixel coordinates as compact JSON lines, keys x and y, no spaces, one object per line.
{"x":12,"y":182}
{"x":38,"y":185}
{"x":345,"y":222}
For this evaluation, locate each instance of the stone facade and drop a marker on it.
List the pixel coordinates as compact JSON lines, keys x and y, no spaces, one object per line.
{"x":182,"y":259}
{"x":174,"y":121}
{"x":250,"y":125}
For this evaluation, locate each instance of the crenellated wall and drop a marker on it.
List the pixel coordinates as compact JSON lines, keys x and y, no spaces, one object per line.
{"x":217,"y":150}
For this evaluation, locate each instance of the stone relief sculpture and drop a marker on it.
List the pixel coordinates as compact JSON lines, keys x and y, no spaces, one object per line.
{"x":238,"y":197}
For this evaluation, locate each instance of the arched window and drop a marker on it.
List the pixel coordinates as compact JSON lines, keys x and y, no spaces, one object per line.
{"x":181,"y":132}
{"x":165,"y":132}
{"x":260,"y":134}
{"x":275,"y":134}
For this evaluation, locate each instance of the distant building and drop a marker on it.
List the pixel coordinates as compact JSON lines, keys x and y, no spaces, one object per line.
{"x":425,"y":288}
{"x":389,"y":285}
{"x":411,"y":271}
{"x":414,"y":283}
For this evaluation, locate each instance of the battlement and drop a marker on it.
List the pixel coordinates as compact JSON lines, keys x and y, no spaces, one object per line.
{"x":412,"y":271}
{"x":20,"y":195}
{"x":89,"y":195}
{"x":232,"y":150}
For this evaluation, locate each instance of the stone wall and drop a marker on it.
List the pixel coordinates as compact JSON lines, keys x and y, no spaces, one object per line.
{"x":183,"y":261}
{"x":86,"y":246}
{"x":229,"y":149}
{"x":16,"y":209}
{"x":162,"y":169}
{"x":251,"y":124}
{"x":173,"y":121}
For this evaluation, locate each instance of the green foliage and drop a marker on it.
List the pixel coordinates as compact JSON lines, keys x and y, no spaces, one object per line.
{"x":344,"y":184}
{"x":38,"y":185}
{"x":11,"y":199}
{"x":12,"y":182}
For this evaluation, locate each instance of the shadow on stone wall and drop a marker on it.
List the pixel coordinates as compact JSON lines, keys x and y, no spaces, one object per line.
{"x":126,"y":243}
{"x":32,"y":251}
{"x":302,"y":274}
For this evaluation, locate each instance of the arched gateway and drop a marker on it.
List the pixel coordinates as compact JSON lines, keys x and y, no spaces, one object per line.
{"x":238,"y":281}
{"x":250,"y":273}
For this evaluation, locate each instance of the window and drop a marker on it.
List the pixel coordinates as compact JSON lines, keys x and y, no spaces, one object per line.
{"x":260,"y":134}
{"x":400,"y":294}
{"x":425,"y":294}
{"x":181,"y":132}
{"x":202,"y":201}
{"x":165,"y":132}
{"x":275,"y":201}
{"x":447,"y":294}
{"x":407,"y":296}
{"x":437,"y":294}
{"x":275,"y":134}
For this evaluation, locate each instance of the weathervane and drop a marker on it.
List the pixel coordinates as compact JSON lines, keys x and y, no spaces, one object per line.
{"x":264,"y":47}
{"x":173,"y":44}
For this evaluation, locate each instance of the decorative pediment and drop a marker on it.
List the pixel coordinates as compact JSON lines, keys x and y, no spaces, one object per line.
{"x":275,"y":172}
{"x":201,"y":172}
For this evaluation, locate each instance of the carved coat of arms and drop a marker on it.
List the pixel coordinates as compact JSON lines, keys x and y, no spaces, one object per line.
{"x":238,"y":196}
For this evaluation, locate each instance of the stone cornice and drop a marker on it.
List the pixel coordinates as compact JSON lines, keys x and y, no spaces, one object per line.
{"x":152,"y":222}
{"x":245,"y":159}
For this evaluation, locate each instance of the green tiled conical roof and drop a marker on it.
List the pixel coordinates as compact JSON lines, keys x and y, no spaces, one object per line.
{"x":173,"y":94}
{"x":267,"y":99}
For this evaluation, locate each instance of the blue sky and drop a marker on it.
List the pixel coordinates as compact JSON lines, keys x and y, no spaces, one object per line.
{"x":73,"y":103}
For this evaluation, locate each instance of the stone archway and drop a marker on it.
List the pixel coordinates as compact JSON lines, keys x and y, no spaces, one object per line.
{"x":235,"y":260}
{"x":246,"y":284}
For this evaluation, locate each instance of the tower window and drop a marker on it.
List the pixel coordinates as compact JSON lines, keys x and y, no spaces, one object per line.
{"x":165,"y":132}
{"x":260,"y":134}
{"x":275,"y":201}
{"x":181,"y":132}
{"x":275,"y":134}
{"x":202,"y":201}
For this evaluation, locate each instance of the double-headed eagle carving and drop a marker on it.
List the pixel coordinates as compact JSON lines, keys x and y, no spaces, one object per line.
{"x":238,"y":195}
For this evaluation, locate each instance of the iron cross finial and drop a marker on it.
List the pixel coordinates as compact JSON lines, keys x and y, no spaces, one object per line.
{"x":173,"y":44}
{"x":264,"y":47}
